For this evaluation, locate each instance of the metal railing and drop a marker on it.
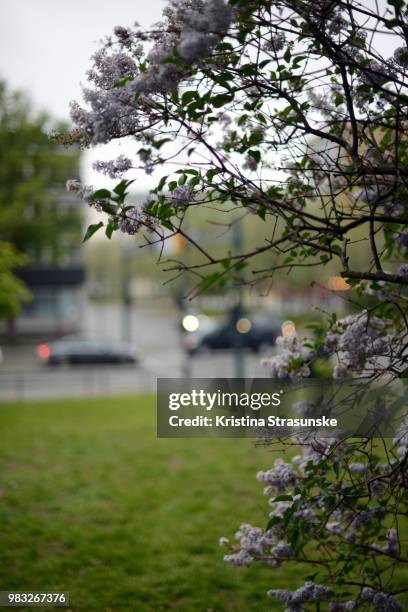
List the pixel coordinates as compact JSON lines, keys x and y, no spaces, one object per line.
{"x":70,"y":382}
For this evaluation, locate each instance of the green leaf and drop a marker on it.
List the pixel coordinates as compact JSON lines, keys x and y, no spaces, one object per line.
{"x":211,"y":173}
{"x":162,"y":183}
{"x":398,"y":4}
{"x":283,"y":497}
{"x":100,"y":194}
{"x":221,"y":100}
{"x":209,"y":280}
{"x":157,"y":144}
{"x":109,"y":230}
{"x":225,"y":46}
{"x":91,"y":230}
{"x":240,"y":266}
{"x":109,"y":208}
{"x":298,"y":60}
{"x":120,"y":190}
{"x":187,"y":171}
{"x":255,"y":154}
{"x":273,"y":521}
{"x":261,"y":212}
{"x":351,"y":281}
{"x":167,"y":224}
{"x":188,"y":96}
{"x":194,"y":181}
{"x":248,"y":69}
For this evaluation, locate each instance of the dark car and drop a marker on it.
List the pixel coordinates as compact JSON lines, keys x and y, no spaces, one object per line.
{"x":250,"y":332}
{"x":84,"y":351}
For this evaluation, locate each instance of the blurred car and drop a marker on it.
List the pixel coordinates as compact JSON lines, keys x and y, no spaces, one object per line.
{"x":251,"y":332}
{"x":76,"y":351}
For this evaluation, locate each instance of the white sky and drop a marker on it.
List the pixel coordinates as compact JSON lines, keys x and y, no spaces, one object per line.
{"x":45,"y":49}
{"x":46,"y":45}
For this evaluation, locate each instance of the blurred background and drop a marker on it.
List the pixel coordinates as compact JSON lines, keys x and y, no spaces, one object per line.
{"x":102,"y":318}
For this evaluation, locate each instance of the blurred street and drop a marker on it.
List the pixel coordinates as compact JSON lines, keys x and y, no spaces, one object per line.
{"x":155,"y":334}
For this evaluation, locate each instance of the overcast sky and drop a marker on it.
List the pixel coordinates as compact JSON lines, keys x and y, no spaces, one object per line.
{"x":45,"y":49}
{"x":46,"y":45}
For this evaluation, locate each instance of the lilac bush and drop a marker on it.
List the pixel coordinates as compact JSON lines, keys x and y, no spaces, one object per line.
{"x":295,"y":111}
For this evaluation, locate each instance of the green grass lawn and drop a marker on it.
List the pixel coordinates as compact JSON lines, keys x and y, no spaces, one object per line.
{"x":92,"y":503}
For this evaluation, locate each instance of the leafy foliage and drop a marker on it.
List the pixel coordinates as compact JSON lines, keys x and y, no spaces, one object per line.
{"x":12,"y":291}
{"x":33,"y":172}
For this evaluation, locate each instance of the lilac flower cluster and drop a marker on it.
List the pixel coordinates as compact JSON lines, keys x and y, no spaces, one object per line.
{"x":344,"y":522}
{"x":276,"y":43}
{"x":114,"y":168}
{"x":377,"y":489}
{"x":400,"y":440}
{"x":126,"y":37}
{"x":357,"y":339}
{"x":130,"y":221}
{"x":253,"y":542}
{"x":402,"y":240}
{"x":250,"y":163}
{"x":381,"y":602}
{"x":377,"y":196}
{"x":338,"y":606}
{"x":280,"y":477}
{"x":84,"y":192}
{"x":360,"y":521}
{"x":292,"y":361}
{"x":239,"y":559}
{"x":315,"y":449}
{"x":182,"y":196}
{"x":392,"y":546}
{"x":357,"y":468}
{"x":376,"y":73}
{"x":191,"y":29}
{"x":308,"y":593}
{"x":401,"y":56}
{"x":305,"y":408}
{"x":110,"y":68}
{"x":403,"y":270}
{"x":257,"y":544}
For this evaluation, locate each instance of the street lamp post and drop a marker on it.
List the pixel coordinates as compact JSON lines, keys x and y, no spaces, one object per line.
{"x":237,"y":309}
{"x":180,"y":248}
{"x":126,"y":317}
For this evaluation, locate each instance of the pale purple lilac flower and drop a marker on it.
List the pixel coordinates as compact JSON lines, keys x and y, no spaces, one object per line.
{"x":114,"y":168}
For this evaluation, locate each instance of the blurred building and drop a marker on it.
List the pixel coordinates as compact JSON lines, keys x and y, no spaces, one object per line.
{"x":57,"y":300}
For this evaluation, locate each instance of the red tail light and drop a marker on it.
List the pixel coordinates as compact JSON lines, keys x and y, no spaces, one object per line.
{"x":43,"y":351}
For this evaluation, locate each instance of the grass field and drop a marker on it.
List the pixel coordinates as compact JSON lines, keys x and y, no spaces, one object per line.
{"x":92,"y":503}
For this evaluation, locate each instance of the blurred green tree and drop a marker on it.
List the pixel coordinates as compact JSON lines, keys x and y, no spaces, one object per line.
{"x":12,"y":290}
{"x":37,"y":226}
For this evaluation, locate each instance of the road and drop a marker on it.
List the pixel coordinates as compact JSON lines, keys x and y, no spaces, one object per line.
{"x":155,"y":333}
